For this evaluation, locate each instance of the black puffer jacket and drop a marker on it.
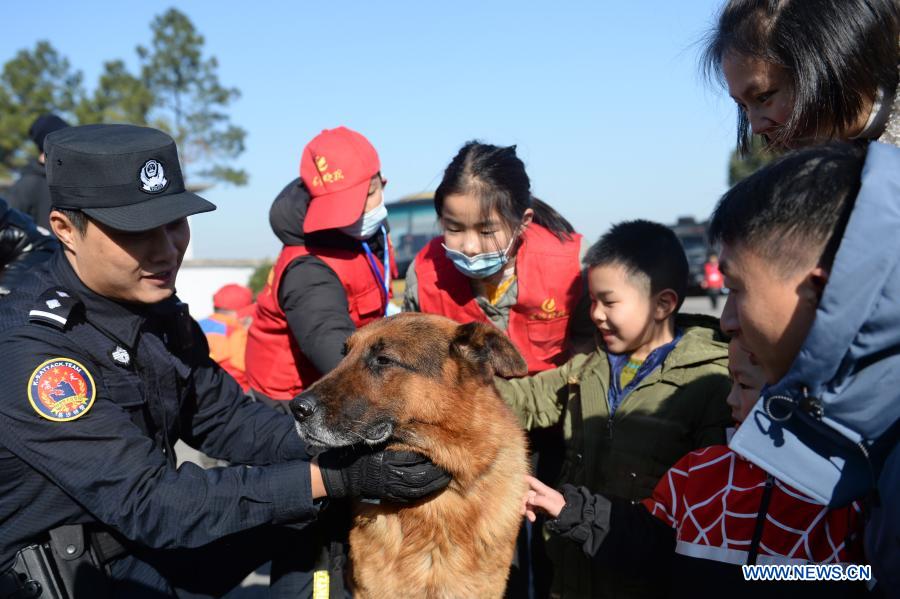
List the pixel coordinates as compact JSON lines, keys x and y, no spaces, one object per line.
{"x":21,"y":246}
{"x":311,"y":294}
{"x":31,"y":195}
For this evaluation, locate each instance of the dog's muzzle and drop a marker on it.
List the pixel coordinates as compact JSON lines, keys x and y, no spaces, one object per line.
{"x":313,"y":427}
{"x":304,"y":406}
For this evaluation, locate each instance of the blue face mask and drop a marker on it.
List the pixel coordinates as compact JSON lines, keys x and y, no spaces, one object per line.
{"x":368,"y":224}
{"x":480,"y":266}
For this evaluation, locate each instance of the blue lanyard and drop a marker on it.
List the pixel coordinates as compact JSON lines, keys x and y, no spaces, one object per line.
{"x":386,"y":279}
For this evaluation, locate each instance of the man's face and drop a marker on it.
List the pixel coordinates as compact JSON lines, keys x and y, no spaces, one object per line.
{"x":768,"y":312}
{"x":131,"y":267}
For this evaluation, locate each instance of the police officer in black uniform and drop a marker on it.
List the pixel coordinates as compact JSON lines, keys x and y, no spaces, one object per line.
{"x":103,"y":370}
{"x":22,"y":246}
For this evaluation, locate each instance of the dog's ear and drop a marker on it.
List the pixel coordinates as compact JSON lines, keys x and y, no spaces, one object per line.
{"x":488,"y":349}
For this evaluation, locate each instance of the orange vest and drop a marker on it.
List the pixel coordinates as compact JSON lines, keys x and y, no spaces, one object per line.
{"x":227,"y":339}
{"x":549,"y":281}
{"x":275,"y":365}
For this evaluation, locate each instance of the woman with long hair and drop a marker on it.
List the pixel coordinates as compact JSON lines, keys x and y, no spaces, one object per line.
{"x":807,"y":72}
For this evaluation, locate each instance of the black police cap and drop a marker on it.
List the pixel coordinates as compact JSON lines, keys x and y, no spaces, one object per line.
{"x":124,"y":176}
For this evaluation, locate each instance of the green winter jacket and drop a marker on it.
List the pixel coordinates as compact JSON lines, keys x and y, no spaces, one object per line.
{"x":677,"y":408}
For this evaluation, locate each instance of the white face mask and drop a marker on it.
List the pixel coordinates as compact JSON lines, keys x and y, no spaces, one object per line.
{"x":368,"y":224}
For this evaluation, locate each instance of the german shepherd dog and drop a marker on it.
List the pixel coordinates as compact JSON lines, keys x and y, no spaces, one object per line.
{"x":425,"y":383}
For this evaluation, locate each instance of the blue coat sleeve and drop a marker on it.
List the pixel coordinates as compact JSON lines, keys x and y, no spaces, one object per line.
{"x":105,"y":463}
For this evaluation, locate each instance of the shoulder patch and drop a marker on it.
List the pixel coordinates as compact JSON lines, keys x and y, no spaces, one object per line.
{"x":54,"y":307}
{"x":61,"y":389}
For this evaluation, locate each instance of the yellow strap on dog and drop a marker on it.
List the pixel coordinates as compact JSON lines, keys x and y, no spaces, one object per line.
{"x":321,"y":584}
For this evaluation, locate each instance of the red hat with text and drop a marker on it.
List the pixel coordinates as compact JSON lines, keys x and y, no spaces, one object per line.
{"x":337,"y":167}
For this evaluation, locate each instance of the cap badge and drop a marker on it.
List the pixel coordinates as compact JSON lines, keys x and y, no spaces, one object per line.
{"x":153,"y":177}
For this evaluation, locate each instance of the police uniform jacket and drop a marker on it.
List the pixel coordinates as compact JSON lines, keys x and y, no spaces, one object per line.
{"x":95,"y":393}
{"x":21,"y":246}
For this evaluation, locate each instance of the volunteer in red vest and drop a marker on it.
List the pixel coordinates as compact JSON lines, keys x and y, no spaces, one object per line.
{"x":713,"y":281}
{"x":334,"y":272}
{"x":226,"y":332}
{"x":505,"y":257}
{"x":508,"y":259}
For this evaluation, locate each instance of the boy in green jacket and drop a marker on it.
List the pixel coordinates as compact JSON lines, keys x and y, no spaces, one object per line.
{"x":651,"y":389}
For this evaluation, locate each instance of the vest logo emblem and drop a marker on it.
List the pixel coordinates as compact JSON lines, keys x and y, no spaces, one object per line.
{"x":153,"y":177}
{"x":61,"y":389}
{"x":548,"y":311}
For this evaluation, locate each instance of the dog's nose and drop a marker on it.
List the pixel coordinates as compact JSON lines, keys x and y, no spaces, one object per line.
{"x":303,"y":406}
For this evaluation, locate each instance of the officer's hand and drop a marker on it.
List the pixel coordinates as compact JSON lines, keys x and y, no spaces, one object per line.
{"x":400,"y":476}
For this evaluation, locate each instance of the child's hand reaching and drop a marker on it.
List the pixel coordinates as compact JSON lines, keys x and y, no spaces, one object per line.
{"x":541,"y":498}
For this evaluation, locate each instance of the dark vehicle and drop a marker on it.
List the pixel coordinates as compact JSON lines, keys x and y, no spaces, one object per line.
{"x":413,"y":223}
{"x":692,"y":236}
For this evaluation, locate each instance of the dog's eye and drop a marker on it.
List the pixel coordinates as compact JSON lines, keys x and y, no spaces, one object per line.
{"x":383,"y":361}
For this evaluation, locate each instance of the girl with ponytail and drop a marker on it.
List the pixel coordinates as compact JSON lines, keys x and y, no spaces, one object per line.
{"x":505,"y":257}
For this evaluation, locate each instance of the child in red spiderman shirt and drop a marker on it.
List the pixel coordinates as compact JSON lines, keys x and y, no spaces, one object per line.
{"x":711,"y":513}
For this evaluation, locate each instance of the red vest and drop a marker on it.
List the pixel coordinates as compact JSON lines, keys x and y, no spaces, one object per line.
{"x":275,"y":365}
{"x":712,"y":276}
{"x":549,"y":282}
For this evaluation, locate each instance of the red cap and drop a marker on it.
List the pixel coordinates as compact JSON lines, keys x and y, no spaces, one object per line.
{"x":248,"y":311}
{"x":232,"y":297}
{"x":337,"y":167}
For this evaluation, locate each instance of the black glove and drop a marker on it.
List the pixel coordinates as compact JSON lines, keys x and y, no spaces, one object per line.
{"x":400,"y":476}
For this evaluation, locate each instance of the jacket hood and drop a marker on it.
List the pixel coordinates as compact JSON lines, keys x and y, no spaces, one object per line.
{"x":286,"y":218}
{"x":815,"y":428}
{"x":701,"y":341}
{"x":288,"y":212}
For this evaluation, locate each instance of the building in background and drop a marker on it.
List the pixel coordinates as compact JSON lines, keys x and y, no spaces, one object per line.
{"x":413,"y":223}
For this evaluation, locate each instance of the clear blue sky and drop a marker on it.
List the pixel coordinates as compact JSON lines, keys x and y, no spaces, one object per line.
{"x":604,"y":99}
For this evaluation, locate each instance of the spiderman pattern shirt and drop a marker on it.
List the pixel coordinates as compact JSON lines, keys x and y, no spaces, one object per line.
{"x":712,"y":496}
